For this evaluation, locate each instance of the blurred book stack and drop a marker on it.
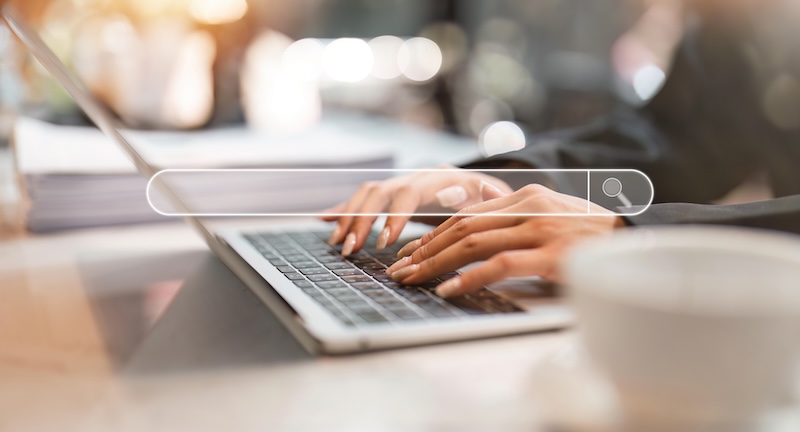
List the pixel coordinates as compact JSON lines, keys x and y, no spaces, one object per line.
{"x":74,"y":177}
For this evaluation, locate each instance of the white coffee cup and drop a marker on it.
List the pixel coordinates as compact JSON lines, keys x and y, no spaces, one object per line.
{"x":697,"y":328}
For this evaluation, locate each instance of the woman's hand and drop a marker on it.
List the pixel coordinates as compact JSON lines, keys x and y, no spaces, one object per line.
{"x":512,"y":245}
{"x":450,"y":188}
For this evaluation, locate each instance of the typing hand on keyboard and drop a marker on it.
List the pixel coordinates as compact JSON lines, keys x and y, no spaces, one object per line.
{"x":357,"y":290}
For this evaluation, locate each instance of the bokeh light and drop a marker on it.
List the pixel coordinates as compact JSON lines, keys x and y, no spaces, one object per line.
{"x":385,"y":49}
{"x":504,"y":33}
{"x":217,"y":11}
{"x":496,"y":73}
{"x":501,"y":137}
{"x":189,"y":99}
{"x":486,"y":112}
{"x":303,"y":59}
{"x":348,"y":60}
{"x":451,"y":39}
{"x":276,"y":98}
{"x":420,"y":59}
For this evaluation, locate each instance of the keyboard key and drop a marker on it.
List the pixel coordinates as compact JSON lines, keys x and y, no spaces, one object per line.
{"x":367,"y":286}
{"x":322,"y":278}
{"x":330,"y":259}
{"x":285,"y":269}
{"x":314,"y":271}
{"x":465,"y":304}
{"x":294,"y":276}
{"x":339,"y":291}
{"x":406,"y":314}
{"x":361,"y":308}
{"x":354,"y":279}
{"x":305,"y":265}
{"x":378,"y":294}
{"x":347,"y":272}
{"x":447,"y":276}
{"x":304,"y":283}
{"x":374,"y":317}
{"x":388,"y":302}
{"x":277,"y":262}
{"x":375,"y":272}
{"x":331,"y":285}
{"x":338,"y":266}
{"x":439,"y":312}
{"x":316,"y":295}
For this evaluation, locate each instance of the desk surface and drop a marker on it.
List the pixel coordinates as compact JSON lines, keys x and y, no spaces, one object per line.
{"x":141,"y":328}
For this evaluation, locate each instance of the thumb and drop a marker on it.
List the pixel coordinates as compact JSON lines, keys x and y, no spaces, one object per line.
{"x":489,"y":191}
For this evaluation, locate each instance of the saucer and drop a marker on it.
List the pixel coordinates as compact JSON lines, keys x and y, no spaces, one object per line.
{"x":571,"y":395}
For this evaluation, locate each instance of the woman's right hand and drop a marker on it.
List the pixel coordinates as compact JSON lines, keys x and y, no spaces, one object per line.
{"x":402,"y":196}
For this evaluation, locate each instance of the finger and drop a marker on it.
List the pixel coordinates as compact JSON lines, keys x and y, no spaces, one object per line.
{"x":343,"y":227}
{"x":375,"y":203}
{"x":468,"y":194}
{"x":406,"y":201}
{"x":461,"y":230}
{"x":487,"y":207}
{"x":409,"y":248}
{"x":453,"y":197}
{"x":331,"y":214}
{"x":489,"y":191}
{"x":415,"y":252}
{"x":476,"y":247}
{"x":527,"y":262}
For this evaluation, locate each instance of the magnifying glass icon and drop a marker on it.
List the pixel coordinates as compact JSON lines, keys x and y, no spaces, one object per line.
{"x":612,"y":187}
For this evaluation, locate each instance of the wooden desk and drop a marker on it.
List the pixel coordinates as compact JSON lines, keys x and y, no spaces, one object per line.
{"x":141,"y":328}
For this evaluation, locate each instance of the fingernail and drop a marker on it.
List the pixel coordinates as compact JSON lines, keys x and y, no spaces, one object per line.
{"x":349,"y":244}
{"x":449,"y":287}
{"x":452,"y":196}
{"x":409,"y":248}
{"x":492,"y":190}
{"x":398,"y":265}
{"x":404,"y":272}
{"x":334,"y":238}
{"x":383,"y":239}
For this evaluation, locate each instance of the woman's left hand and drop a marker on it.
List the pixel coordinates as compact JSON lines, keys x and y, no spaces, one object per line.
{"x":512,"y":244}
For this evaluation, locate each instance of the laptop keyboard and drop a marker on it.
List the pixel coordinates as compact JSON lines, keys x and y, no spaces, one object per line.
{"x":357,"y":290}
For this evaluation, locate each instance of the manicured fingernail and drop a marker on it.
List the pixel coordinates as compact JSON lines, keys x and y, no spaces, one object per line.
{"x":383,"y":239}
{"x":349,"y":244}
{"x":409,"y":248}
{"x":452,"y":196}
{"x":405,"y":272}
{"x":398,"y":265}
{"x":449,"y":287}
{"x":334,"y":238}
{"x":490,"y":191}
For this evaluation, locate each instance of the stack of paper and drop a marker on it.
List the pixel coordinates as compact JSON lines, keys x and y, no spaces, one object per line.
{"x":76,"y":177}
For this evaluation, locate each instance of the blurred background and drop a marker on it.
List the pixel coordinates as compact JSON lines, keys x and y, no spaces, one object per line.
{"x":501,"y":68}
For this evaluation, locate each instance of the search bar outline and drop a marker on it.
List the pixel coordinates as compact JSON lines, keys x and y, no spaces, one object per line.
{"x":641,"y":208}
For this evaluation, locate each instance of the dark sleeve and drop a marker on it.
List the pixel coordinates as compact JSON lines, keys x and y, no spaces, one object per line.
{"x":695,"y":139}
{"x":778,"y":214}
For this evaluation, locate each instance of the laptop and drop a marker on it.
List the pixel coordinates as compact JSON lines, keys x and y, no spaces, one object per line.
{"x":330,"y":303}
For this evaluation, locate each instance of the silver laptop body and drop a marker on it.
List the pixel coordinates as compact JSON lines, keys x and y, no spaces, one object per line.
{"x":329,"y":303}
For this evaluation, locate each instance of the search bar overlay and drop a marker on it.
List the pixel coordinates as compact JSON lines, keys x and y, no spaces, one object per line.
{"x":443,"y":192}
